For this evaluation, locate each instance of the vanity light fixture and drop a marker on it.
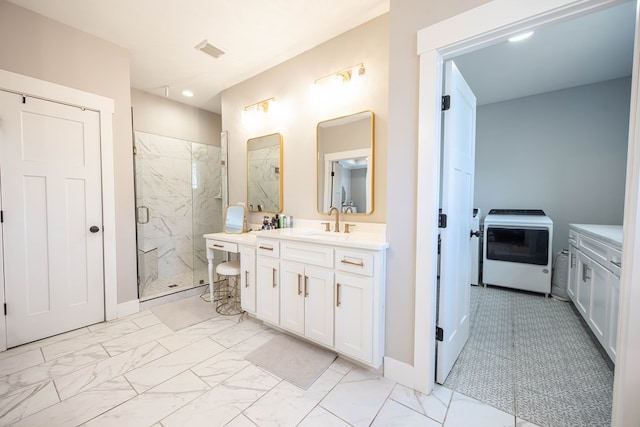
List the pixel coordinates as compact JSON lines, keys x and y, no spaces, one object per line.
{"x":343,"y":76}
{"x":521,"y":37}
{"x":260,"y":106}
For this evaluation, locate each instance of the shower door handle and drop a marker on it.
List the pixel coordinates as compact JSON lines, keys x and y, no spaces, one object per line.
{"x":146,"y":210}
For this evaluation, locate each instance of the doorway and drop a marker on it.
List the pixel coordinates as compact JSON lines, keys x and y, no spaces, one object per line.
{"x":490,"y":23}
{"x":526,"y":150}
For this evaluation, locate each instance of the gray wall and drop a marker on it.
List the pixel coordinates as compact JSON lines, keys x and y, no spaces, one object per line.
{"x":406,"y":17}
{"x":564,"y":152}
{"x":161,"y":116}
{"x":300,"y":111}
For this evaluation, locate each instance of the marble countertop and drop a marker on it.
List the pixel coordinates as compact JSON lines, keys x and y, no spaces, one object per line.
{"x":611,"y":234}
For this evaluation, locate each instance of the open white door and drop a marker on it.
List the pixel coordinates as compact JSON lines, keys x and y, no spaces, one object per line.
{"x":457,"y":204}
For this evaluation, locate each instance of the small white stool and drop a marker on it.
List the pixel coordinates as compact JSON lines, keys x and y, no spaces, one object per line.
{"x":227,"y":293}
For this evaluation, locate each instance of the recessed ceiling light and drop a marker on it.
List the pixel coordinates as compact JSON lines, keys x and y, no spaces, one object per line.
{"x":187,"y":93}
{"x":521,"y":37}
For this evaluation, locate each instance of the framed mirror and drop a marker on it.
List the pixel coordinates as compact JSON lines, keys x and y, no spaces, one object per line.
{"x":264,"y":173}
{"x":234,"y":219}
{"x":345,"y":163}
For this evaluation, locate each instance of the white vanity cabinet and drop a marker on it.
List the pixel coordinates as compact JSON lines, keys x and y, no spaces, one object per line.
{"x":267,"y":281}
{"x":306,"y":301}
{"x":594,"y":279}
{"x":329,"y":292}
{"x":248,"y":278}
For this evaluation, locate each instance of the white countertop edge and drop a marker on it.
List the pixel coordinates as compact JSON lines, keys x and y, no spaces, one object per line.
{"x":371,"y":241}
{"x":611,"y":234}
{"x":314,"y":235}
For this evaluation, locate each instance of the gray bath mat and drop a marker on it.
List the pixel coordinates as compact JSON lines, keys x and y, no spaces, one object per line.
{"x":298,"y":362}
{"x":185,"y":312}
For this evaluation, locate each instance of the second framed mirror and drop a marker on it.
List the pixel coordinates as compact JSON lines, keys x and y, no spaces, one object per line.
{"x":264,"y":173}
{"x":345,"y":163}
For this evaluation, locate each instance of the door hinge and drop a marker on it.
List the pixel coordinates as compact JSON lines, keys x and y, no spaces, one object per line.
{"x":135,"y":150}
{"x":5,"y":308}
{"x":446,"y":102}
{"x":333,"y":173}
{"x":1,"y":216}
{"x":442,"y":220}
{"x":439,"y":334}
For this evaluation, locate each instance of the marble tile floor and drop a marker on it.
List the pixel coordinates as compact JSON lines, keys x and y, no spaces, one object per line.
{"x":136,"y":372}
{"x":533,"y":357}
{"x":166,"y":286}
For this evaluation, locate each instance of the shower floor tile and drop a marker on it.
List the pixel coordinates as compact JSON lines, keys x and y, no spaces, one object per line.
{"x":170,"y":285}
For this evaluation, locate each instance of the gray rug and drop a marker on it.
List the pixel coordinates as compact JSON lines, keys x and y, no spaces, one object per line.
{"x":185,"y":312}
{"x":298,"y":362}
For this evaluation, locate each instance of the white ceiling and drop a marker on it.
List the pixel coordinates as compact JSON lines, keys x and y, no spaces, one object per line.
{"x":161,"y":36}
{"x":585,"y":50}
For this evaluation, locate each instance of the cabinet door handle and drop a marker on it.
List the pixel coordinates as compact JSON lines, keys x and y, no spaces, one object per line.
{"x":299,"y":284}
{"x":337,"y":294}
{"x":269,"y":248}
{"x":573,"y":260}
{"x":306,"y":286}
{"x":274,"y":277}
{"x":617,"y":263}
{"x":588,"y":273}
{"x":246,"y":279}
{"x":584,"y":273}
{"x":346,"y":261}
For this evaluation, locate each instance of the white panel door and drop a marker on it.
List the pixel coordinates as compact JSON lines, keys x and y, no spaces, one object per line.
{"x":292,"y":296}
{"x":318,"y":296}
{"x":248,"y":279}
{"x":51,"y":198}
{"x":267,"y":289}
{"x":457,"y":203}
{"x":354,"y":316}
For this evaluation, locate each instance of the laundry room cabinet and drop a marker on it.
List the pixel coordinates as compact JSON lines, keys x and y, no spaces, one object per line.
{"x":594,"y":279}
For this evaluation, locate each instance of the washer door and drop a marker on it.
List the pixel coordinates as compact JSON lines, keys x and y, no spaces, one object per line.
{"x":517,"y":244}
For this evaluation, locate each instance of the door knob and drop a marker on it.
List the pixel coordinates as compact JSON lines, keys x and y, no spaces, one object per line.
{"x":94,"y":229}
{"x":474,"y":233}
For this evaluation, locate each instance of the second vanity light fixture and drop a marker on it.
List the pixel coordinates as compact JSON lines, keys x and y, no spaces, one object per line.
{"x":342,"y":76}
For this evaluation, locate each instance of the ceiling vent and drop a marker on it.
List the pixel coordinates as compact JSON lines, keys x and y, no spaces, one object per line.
{"x":210,"y":49}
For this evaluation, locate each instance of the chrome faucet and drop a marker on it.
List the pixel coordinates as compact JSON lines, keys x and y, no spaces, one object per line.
{"x":337,"y":226}
{"x":348,"y":209}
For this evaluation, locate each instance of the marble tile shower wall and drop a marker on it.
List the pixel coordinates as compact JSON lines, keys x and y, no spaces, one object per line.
{"x":179,"y":182}
{"x":264,"y":178}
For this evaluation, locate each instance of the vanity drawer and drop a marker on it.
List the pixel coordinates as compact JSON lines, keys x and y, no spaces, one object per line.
{"x":267,"y":247}
{"x":593,"y":249}
{"x":222,"y":246}
{"x":322,"y":256}
{"x":354,"y":262}
{"x":615,"y":261}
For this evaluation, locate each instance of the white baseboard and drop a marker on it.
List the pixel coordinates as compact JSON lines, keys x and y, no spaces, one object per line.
{"x":404,"y":374}
{"x":129,"y":307}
